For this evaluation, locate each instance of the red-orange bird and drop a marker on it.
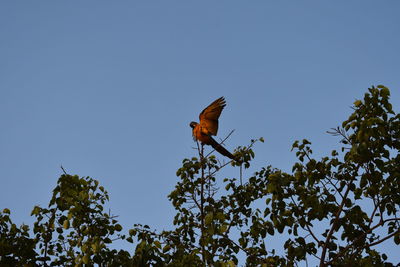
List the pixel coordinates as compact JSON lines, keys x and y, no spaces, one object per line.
{"x":208,"y":126}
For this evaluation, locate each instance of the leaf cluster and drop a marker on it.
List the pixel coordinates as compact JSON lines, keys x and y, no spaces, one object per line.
{"x":333,"y":210}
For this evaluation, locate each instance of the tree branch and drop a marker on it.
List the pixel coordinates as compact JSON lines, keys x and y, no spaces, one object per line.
{"x":332,"y":230}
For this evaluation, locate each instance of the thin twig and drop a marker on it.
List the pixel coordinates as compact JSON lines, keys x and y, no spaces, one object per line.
{"x":62,"y":168}
{"x":383,"y":239}
{"x":308,"y":227}
{"x":203,"y":252}
{"x":332,"y":230}
{"x":364,"y":235}
{"x":337,"y":189}
{"x":241,"y":174}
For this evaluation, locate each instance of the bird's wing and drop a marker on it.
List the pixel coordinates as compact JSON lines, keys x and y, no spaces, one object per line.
{"x":209,"y":116}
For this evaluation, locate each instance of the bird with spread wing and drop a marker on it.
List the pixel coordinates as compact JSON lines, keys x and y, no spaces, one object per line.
{"x":208,"y":126}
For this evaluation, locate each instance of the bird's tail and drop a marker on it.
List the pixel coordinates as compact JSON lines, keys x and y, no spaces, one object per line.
{"x":221,"y":149}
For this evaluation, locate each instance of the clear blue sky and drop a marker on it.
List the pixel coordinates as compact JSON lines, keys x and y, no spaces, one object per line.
{"x":107,"y":88}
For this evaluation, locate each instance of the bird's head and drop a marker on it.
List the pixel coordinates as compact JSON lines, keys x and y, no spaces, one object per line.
{"x":193,"y":124}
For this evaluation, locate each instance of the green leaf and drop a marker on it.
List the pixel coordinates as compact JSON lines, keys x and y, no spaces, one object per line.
{"x":384,"y":91}
{"x":157,"y":244}
{"x":132,"y":232}
{"x":66,"y":224}
{"x":396,"y":239}
{"x":118,"y":227}
{"x":86,"y":259}
{"x":166,"y":248}
{"x":223,"y":228}
{"x":208,"y":219}
{"x":358,"y":103}
{"x":7,"y":211}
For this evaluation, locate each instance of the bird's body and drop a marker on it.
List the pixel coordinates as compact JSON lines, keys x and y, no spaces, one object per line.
{"x":201,"y":134}
{"x":208,"y":126}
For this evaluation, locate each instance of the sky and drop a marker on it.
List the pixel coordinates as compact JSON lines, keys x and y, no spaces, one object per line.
{"x":107,"y":88}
